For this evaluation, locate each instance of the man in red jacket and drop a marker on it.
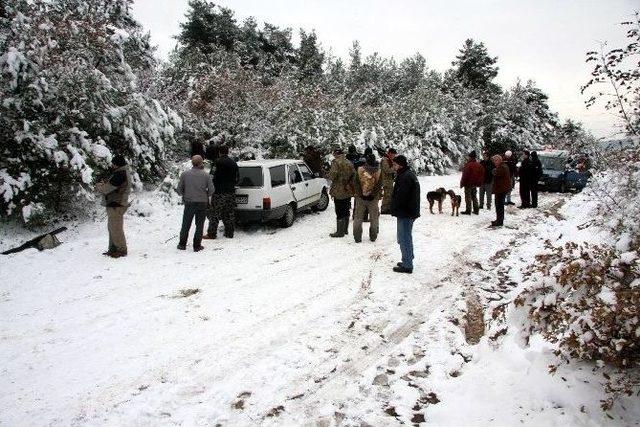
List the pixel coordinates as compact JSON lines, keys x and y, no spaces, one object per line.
{"x":472,"y":178}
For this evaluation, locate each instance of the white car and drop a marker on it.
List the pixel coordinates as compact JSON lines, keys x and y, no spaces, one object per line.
{"x":277,"y":189}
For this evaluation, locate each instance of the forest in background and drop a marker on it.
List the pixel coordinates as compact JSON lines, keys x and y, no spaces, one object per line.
{"x":80,"y":83}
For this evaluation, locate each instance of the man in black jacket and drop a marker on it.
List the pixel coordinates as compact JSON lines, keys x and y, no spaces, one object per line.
{"x":223,"y":203}
{"x":526,"y":174}
{"x":537,"y":173}
{"x":485,"y":189}
{"x":405,"y":206}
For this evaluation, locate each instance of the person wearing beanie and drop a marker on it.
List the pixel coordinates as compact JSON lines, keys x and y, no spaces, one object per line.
{"x":501,"y":186}
{"x":526,"y":174}
{"x":472,"y":178}
{"x":195,"y":187}
{"x":368,"y":189}
{"x":116,"y":190}
{"x":485,"y":188}
{"x":537,"y":173}
{"x":405,"y":206}
{"x":341,"y":175}
{"x":386,"y":169}
{"x":511,"y":163}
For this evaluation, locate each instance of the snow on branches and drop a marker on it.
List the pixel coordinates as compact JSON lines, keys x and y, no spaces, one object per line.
{"x":70,"y":100}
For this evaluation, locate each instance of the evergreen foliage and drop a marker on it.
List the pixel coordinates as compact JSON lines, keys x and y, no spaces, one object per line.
{"x":269,"y":98}
{"x":70,"y":100}
{"x":79,"y":82}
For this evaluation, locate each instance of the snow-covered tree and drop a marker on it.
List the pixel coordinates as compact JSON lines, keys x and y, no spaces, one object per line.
{"x":70,"y":100}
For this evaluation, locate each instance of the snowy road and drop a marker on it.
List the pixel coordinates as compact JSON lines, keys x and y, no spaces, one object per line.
{"x":284,"y":327}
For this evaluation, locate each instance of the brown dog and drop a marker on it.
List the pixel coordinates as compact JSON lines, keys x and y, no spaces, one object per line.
{"x":456,"y":201}
{"x":436,"y":196}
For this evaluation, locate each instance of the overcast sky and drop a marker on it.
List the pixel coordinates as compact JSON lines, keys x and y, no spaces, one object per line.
{"x":543,"y":40}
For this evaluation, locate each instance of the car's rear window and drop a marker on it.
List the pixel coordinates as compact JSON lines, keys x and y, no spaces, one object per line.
{"x":250,"y":176}
{"x":278,"y":176}
{"x":552,"y":162}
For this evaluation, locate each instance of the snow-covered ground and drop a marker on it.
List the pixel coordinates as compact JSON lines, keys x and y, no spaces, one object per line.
{"x":279,"y":326}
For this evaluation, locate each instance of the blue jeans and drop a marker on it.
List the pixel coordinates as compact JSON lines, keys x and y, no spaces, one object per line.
{"x":405,"y":240}
{"x":508,"y":196}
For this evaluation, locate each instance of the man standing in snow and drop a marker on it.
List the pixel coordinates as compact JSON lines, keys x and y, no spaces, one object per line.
{"x":485,"y":188}
{"x":368,"y":187}
{"x":526,"y":174}
{"x":513,"y":169}
{"x":386,"y":168}
{"x":195,"y":187}
{"x":223,"y":203}
{"x":312,"y":158}
{"x":405,"y":206}
{"x":472,"y":178}
{"x":116,"y":194}
{"x":341,"y":176}
{"x":501,"y":186}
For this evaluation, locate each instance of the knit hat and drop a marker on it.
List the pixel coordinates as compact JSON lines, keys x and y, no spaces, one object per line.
{"x":472,"y":154}
{"x":400,"y":161}
{"x":119,"y":160}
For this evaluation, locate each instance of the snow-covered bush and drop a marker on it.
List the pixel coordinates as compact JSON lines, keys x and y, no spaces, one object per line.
{"x":586,"y":298}
{"x":70,"y":101}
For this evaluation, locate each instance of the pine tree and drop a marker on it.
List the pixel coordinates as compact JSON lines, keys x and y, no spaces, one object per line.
{"x":71,"y":99}
{"x":207,"y":26}
{"x":309,"y":57}
{"x":475,"y":69}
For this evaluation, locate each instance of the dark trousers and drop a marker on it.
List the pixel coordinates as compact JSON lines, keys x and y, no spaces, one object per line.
{"x":525,"y":193}
{"x":471,"y":199}
{"x":343,"y":207}
{"x":500,"y":199}
{"x":199,"y":211}
{"x":223,"y":207}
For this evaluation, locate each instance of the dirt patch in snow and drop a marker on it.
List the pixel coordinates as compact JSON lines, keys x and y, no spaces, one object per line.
{"x":474,"y":319}
{"x":186,"y":293}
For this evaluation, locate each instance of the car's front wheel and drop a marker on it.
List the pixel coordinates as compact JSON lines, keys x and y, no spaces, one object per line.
{"x":288,"y":217}
{"x":323,"y":203}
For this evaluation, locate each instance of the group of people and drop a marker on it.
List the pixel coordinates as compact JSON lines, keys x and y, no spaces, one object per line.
{"x":369,"y":181}
{"x":205,"y":195}
{"x":497,"y":176}
{"x":361,"y":177}
{"x":208,"y":194}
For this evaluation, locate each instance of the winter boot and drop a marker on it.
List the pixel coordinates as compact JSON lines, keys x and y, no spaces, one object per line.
{"x":341,"y":227}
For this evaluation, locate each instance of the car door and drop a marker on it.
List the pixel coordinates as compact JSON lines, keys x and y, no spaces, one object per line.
{"x":280,"y":194}
{"x":311,"y":184}
{"x":296,"y":183}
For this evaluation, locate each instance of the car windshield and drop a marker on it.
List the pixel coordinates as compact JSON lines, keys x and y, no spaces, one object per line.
{"x":250,"y":176}
{"x":553,"y":163}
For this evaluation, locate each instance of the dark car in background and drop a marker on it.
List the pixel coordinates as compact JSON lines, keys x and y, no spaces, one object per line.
{"x":561,"y":173}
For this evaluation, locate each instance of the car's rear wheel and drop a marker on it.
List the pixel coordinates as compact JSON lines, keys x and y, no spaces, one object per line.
{"x":323,"y":203}
{"x":288,"y":217}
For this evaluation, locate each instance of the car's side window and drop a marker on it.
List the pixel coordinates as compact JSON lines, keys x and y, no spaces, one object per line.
{"x":294,"y":174}
{"x":306,"y":172}
{"x":278,"y":176}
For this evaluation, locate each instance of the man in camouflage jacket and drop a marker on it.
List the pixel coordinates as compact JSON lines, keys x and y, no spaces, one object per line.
{"x":388,"y":175}
{"x":341,"y":175}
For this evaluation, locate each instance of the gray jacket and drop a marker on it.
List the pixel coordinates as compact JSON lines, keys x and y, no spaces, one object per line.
{"x":195,"y":185}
